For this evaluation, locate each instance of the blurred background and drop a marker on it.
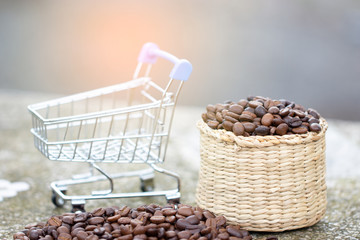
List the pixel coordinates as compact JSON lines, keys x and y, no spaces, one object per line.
{"x":305,"y":51}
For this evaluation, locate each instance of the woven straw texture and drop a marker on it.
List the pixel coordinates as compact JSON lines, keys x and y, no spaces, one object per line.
{"x":270,"y":183}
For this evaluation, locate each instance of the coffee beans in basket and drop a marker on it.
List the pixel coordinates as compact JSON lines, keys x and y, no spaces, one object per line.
{"x":262,"y":116}
{"x":145,"y":222}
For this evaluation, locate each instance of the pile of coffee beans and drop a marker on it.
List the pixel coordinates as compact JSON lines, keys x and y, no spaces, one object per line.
{"x":262,"y":116}
{"x":145,"y":222}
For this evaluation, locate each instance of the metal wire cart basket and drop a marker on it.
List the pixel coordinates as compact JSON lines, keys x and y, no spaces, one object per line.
{"x":124,"y":123}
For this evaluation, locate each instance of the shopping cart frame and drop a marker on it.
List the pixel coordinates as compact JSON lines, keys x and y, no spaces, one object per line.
{"x":149,"y":141}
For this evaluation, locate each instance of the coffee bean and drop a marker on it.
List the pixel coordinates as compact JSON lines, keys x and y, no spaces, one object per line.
{"x":300,"y":130}
{"x":254,"y":104}
{"x":313,"y":120}
{"x":80,"y":217}
{"x":211,"y":124}
{"x":64,"y":236}
{"x":219,"y":107}
{"x":184,"y":234}
{"x":235,"y":108}
{"x":170,"y":234}
{"x":243,"y":102}
{"x":81,"y":235}
{"x":181,"y":224}
{"x":157,"y":219}
{"x":267,"y":119}
{"x":249,"y":127}
{"x":299,"y":113}
{"x":295,"y":122}
{"x":54,"y":221}
{"x":249,"y":109}
{"x":63,"y":229}
{"x":223,"y":235}
{"x":211,"y":115}
{"x":262,"y":130}
{"x":231,"y":119}
{"x":96,"y":220}
{"x":210,"y":108}
{"x":193,"y":220}
{"x":98,"y":212}
{"x":282,"y":129}
{"x":284,"y":112}
{"x":315,"y":127}
{"x":245,"y":118}
{"x":273,"y":110}
{"x":314,"y":113}
{"x":220,"y":221}
{"x":185,"y":211}
{"x":233,"y":231}
{"x":219,"y":117}
{"x":68,"y":220}
{"x":238,"y":129}
{"x":204,"y":117}
{"x":33,"y":235}
{"x":277,"y":121}
{"x":228,"y":125}
{"x":260,"y":111}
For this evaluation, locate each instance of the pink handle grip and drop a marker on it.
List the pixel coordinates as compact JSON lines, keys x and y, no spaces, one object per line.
{"x":150,"y":52}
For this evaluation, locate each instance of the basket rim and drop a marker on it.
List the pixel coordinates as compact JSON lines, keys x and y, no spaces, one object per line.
{"x":261,"y":141}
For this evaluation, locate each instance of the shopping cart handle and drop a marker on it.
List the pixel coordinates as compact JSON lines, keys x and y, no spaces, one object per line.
{"x":150,"y":52}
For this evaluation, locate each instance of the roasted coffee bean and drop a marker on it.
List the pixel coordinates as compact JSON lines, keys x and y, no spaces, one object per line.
{"x":228,"y":125}
{"x":219,"y":117}
{"x":282,"y":129}
{"x":295,"y":122}
{"x":272,"y":130}
{"x":314,"y":113}
{"x":299,"y":113}
{"x":249,"y":127}
{"x":80,"y":217}
{"x":219,"y":107}
{"x":315,"y":127}
{"x":273,"y":110}
{"x":267,"y":119}
{"x":220,"y":221}
{"x":98,"y":212}
{"x":212,"y":124}
{"x":235,"y":108}
{"x":68,"y":220}
{"x":211,"y":108}
{"x":184,"y":234}
{"x":64,"y":236}
{"x":81,"y":235}
{"x":231,"y":119}
{"x":243,"y":102}
{"x":245,"y":118}
{"x":254,"y":104}
{"x":204,"y":117}
{"x":54,"y":221}
{"x":313,"y":120}
{"x":157,"y":219}
{"x":211,"y":115}
{"x":300,"y":130}
{"x":253,"y":115}
{"x":284,"y":112}
{"x":260,"y":111}
{"x":249,"y":109}
{"x":33,"y":235}
{"x":233,"y":231}
{"x":238,"y":129}
{"x":95,"y":220}
{"x":63,"y":229}
{"x":262,"y":130}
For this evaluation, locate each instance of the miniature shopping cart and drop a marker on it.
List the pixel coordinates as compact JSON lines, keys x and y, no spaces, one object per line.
{"x":124,"y":123}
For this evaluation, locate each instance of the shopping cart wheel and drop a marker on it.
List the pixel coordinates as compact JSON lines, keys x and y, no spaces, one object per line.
{"x":78,"y":206}
{"x":56,"y":200}
{"x":173,"y":198}
{"x":147,"y":185}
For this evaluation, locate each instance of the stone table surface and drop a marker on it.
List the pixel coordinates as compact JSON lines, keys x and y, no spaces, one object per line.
{"x":20,"y":161}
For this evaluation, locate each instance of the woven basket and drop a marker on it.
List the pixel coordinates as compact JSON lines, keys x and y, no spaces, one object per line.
{"x":263,"y":183}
